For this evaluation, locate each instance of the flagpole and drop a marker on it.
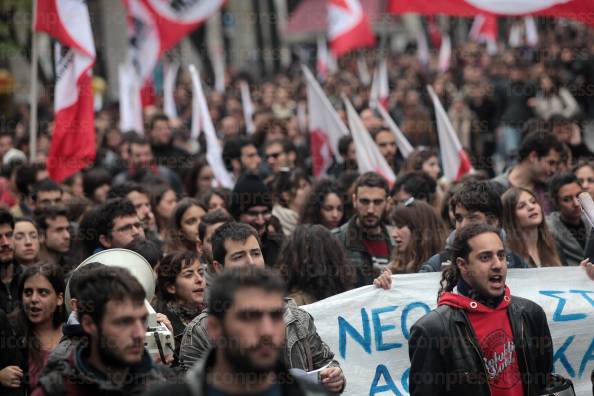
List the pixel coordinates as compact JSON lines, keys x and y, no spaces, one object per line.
{"x":33,"y":98}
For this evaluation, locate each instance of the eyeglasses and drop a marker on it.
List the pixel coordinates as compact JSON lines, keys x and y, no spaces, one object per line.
{"x":274,"y":155}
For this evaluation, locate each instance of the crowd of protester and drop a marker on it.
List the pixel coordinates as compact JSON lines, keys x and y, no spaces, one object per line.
{"x":520,"y":113}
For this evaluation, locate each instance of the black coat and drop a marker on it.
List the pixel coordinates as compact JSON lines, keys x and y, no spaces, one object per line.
{"x":12,"y":353}
{"x":446,"y":359}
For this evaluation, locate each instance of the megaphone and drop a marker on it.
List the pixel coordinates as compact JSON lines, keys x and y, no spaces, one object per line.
{"x":158,"y":339}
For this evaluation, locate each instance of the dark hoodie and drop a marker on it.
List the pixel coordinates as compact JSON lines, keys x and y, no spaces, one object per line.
{"x":493,"y":333}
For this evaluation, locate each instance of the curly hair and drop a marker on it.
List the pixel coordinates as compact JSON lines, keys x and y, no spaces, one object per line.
{"x":311,"y":213}
{"x":169,"y":268}
{"x":313,"y":261}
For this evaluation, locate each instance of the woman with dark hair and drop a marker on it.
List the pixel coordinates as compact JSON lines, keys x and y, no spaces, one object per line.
{"x":526,"y":230}
{"x":217,"y":198}
{"x":183,"y":226}
{"x":180,"y":291}
{"x":418,"y":233}
{"x":38,"y":323}
{"x":314,"y":265}
{"x":163,"y":200}
{"x":552,"y":99}
{"x":290,"y":190}
{"x":96,"y":185}
{"x":199,"y":178}
{"x":423,"y":159}
{"x":324,"y":205}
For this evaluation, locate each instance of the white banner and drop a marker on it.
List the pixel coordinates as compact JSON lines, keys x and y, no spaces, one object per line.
{"x":368,"y":328}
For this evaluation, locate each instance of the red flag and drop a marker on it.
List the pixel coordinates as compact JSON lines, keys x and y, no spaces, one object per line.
{"x":455,"y":160}
{"x":73,"y":137}
{"x":484,"y":30}
{"x":325,"y":126}
{"x":581,"y":10}
{"x":348,"y":27}
{"x":434,"y":31}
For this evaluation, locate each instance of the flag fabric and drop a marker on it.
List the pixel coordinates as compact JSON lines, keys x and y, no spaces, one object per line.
{"x":214,"y":153}
{"x":445,"y":54}
{"x":325,"y":126}
{"x":531,"y":31}
{"x":434,"y":31}
{"x":248,"y":107}
{"x":484,"y":30}
{"x":422,"y":47}
{"x":369,"y":158}
{"x":380,"y":89}
{"x":515,"y":36}
{"x":73,"y":138}
{"x":169,"y":107}
{"x":325,"y":61}
{"x":363,"y":71}
{"x":218,"y":63}
{"x":456,"y":162}
{"x":130,"y":101}
{"x":348,"y":27}
{"x":580,"y":10}
{"x":402,"y":142}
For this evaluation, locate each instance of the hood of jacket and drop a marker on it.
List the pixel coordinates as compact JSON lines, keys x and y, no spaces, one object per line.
{"x":457,"y":300}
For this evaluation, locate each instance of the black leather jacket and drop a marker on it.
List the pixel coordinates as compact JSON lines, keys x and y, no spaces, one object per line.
{"x":446,"y":358}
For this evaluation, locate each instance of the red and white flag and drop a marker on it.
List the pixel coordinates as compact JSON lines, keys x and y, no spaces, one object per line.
{"x":248,"y":107}
{"x":531,"y":31}
{"x":456,"y":162}
{"x":445,"y":54}
{"x":434,"y":31}
{"x":369,"y":158}
{"x":402,"y":142}
{"x":214,"y":153}
{"x":380,"y":89}
{"x":169,"y":107}
{"x":130,"y":101}
{"x":325,"y":126}
{"x":348,"y":27}
{"x":73,"y":138}
{"x":484,"y":30}
{"x":325,"y":61}
{"x":581,"y":10}
{"x":422,"y":47}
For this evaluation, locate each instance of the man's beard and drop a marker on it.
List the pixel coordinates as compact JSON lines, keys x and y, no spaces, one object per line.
{"x":107,"y":355}
{"x":241,"y":361}
{"x":6,"y":261}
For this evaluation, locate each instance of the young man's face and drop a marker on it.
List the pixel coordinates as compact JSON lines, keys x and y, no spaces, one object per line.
{"x":243,"y":253}
{"x":569,"y":205}
{"x":485,"y":270}
{"x":141,"y":155}
{"x":386,"y":142}
{"x":125,"y":229}
{"x":26,"y":242}
{"x":46,"y":199}
{"x":276,"y":157}
{"x":142,"y":204}
{"x":545,"y":167}
{"x":464,"y":217}
{"x":257,"y":217}
{"x":6,"y":244}
{"x":370,"y":204}
{"x":250,"y":159}
{"x":161,"y":132}
{"x":57,"y":235}
{"x":252,"y":333}
{"x":120,"y":336}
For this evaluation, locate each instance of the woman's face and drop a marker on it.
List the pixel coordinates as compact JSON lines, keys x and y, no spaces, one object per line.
{"x":205,"y":178}
{"x":190,"y":221}
{"x":100,"y":193}
{"x":431,"y":167}
{"x":189,"y":285}
{"x":332,"y":211}
{"x":40,"y":300}
{"x":301,"y":194}
{"x":401,"y":237}
{"x":216,"y":202}
{"x":585,"y":176}
{"x":26,"y":242}
{"x":166,"y":205}
{"x":528,"y":211}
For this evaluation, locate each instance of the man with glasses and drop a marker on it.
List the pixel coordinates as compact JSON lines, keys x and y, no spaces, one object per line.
{"x":539,"y":156}
{"x":118,"y":224}
{"x":365,"y":236}
{"x":251,"y":203}
{"x":276,"y":156}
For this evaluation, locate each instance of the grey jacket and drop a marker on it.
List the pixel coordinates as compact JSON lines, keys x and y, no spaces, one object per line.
{"x":194,"y":383}
{"x":304,"y":348}
{"x":351,"y":237}
{"x":569,"y":249}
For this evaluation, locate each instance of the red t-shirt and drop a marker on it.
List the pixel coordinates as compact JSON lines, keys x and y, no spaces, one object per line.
{"x":496,"y":340}
{"x":379,"y":251}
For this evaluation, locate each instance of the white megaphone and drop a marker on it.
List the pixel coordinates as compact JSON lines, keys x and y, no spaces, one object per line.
{"x":158,"y":340}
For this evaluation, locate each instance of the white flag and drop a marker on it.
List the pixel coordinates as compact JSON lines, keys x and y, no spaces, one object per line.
{"x":422,"y":47}
{"x":380,"y":89}
{"x":214,"y":154}
{"x":369,"y":157}
{"x":130,"y":105}
{"x":325,"y":126}
{"x":445,"y":54}
{"x":402,"y":142}
{"x":325,"y":61}
{"x":455,"y":160}
{"x":531,"y":31}
{"x":169,"y":107}
{"x":248,"y":107}
{"x":363,"y":71}
{"x":218,"y":63}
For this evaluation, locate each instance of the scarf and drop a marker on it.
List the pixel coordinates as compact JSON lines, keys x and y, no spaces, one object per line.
{"x":184,"y":312}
